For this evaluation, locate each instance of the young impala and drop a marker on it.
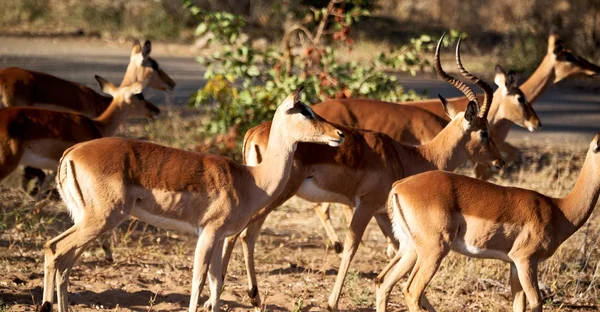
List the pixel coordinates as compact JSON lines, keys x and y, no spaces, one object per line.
{"x":37,"y":137}
{"x":482,"y":220}
{"x":104,"y":181}
{"x":368,"y":162}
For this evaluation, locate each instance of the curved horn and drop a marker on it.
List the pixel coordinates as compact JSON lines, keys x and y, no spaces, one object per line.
{"x":487,"y":90}
{"x":463,"y":87}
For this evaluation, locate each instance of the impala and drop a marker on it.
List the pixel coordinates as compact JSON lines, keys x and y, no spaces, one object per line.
{"x":21,"y":87}
{"x":37,"y":137}
{"x":482,"y":220}
{"x":406,"y":124}
{"x":104,"y":181}
{"x":367,"y":163}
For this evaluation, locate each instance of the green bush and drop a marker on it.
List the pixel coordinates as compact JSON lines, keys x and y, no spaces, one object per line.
{"x":245,"y":85}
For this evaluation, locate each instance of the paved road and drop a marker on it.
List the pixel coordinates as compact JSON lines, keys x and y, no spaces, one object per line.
{"x":569,"y":113}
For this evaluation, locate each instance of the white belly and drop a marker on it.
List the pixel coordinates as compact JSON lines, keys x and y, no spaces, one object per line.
{"x":30,"y":158}
{"x":313,"y":193}
{"x":472,"y":251}
{"x":165,"y":222}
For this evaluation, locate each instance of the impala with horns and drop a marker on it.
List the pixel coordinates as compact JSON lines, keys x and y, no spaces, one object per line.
{"x":559,"y":63}
{"x":368,"y":163}
{"x":406,"y":124}
{"x":515,"y":108}
{"x":104,"y":181}
{"x":482,"y":220}
{"x":37,"y":137}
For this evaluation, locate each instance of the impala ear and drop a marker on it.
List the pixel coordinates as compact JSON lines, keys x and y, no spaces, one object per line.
{"x":106,"y":86}
{"x":147,"y":49}
{"x":471,"y":112}
{"x":500,"y":78}
{"x":553,"y":38}
{"x":597,"y":144}
{"x":136,"y":48}
{"x":292,"y":99}
{"x":449,"y":108}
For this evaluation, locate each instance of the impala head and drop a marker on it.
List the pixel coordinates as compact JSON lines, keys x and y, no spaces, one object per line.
{"x":566,"y":63}
{"x":514,"y":105}
{"x":473,"y":121}
{"x":302,"y":124}
{"x":143,"y":68}
{"x":131,"y":97}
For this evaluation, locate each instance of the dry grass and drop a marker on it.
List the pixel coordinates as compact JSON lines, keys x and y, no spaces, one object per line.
{"x":153,"y":267}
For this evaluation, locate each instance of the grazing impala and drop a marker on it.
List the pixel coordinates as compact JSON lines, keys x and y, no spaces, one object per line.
{"x":482,"y":220}
{"x":367,"y":163}
{"x":37,"y":137}
{"x":104,"y":181}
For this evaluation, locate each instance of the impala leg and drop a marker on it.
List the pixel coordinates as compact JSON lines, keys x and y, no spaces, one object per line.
{"x":385,"y":224}
{"x":361,"y":218}
{"x":229,"y":244}
{"x":517,"y":290}
{"x":104,"y":241}
{"x":400,"y":268}
{"x":62,"y":251}
{"x":527,"y":272}
{"x":249,"y":237}
{"x":387,"y":268}
{"x":30,"y":173}
{"x":45,"y":186}
{"x":215,"y":279}
{"x":322,"y":210}
{"x":202,"y":256}
{"x":425,"y":268}
{"x":348,"y":213}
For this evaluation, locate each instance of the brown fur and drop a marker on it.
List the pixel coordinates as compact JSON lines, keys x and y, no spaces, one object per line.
{"x":43,"y":134}
{"x":105,"y":180}
{"x":367,"y":162}
{"x":518,"y":226}
{"x":21,"y":87}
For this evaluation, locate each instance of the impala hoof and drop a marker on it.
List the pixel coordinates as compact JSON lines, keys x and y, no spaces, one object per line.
{"x":338,"y":247}
{"x":46,"y":307}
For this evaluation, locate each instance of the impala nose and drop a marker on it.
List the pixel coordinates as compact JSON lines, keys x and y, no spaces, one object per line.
{"x":341,"y":134}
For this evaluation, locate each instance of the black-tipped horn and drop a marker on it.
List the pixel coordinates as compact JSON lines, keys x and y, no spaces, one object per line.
{"x":487,"y":90}
{"x":464,"y":88}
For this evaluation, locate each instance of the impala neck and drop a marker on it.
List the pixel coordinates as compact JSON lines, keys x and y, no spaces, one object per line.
{"x":110,"y":120}
{"x":579,"y":204}
{"x":130,"y":77}
{"x":272,"y":174}
{"x":444,"y":152}
{"x":494,"y":113}
{"x":540,"y":80}
{"x":103,"y":104}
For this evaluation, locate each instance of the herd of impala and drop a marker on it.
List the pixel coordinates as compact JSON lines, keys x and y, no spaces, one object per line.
{"x":397,"y":170}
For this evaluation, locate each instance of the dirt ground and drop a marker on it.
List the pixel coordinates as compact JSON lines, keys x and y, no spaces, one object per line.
{"x":296,"y":270}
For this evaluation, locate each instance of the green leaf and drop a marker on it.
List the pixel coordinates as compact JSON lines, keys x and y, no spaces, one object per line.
{"x":201,"y":29}
{"x":253,"y":71}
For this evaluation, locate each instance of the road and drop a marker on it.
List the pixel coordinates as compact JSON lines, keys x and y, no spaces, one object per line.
{"x":570,"y":114}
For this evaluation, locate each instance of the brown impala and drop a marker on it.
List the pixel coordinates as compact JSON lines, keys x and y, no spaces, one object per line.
{"x":368,"y":162}
{"x":482,"y":220}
